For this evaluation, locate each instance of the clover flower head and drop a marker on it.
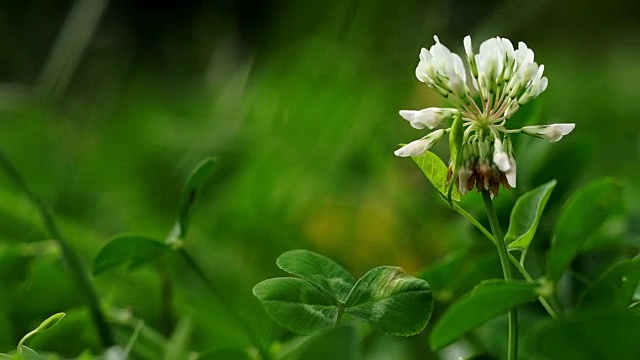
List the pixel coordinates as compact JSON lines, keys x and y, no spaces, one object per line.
{"x":503,"y":78}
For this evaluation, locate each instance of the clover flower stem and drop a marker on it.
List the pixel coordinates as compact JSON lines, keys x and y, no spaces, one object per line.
{"x":525,"y":274}
{"x":78,"y":269}
{"x":506,"y":271}
{"x":195,"y":267}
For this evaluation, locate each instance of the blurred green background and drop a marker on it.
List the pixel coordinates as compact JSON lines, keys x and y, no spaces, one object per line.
{"x":107,"y":106}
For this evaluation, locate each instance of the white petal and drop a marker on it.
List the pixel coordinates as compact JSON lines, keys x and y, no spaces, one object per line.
{"x":468,"y":49}
{"x":414,"y":148}
{"x":429,"y":117}
{"x":501,"y":159}
{"x":511,"y":175}
{"x":552,"y":133}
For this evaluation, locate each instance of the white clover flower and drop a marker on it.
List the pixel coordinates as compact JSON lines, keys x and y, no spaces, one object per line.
{"x":429,"y":117}
{"x":419,"y":147}
{"x":553,"y":132}
{"x":505,"y":78}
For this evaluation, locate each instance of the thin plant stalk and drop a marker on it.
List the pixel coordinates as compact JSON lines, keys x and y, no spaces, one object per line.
{"x":506,"y":271}
{"x":195,"y":267}
{"x":78,"y":269}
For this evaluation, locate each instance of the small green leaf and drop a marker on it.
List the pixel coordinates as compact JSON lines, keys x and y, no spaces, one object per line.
{"x":132,"y":250}
{"x":487,"y":300}
{"x":321,"y":271}
{"x":45,"y":325}
{"x":584,"y":213}
{"x":456,"y":137}
{"x":392,"y":301}
{"x":603,"y":334}
{"x":191,"y":191}
{"x":526,"y":216}
{"x":615,"y":287}
{"x":296,"y":304}
{"x":436,"y":172}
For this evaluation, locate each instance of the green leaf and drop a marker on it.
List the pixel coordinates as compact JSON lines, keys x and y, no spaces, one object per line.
{"x":191,"y":191}
{"x":131,"y":250}
{"x":337,"y":343}
{"x":615,"y":287}
{"x":50,"y":322}
{"x":604,"y":334}
{"x":321,"y":271}
{"x":392,"y":301}
{"x":296,"y":304}
{"x":526,"y":216}
{"x":487,"y":300}
{"x":455,"y":147}
{"x":584,"y":213}
{"x":436,"y":172}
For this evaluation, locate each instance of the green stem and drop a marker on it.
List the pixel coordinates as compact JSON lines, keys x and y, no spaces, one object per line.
{"x":191,"y":262}
{"x":543,"y":300}
{"x":78,"y":270}
{"x":525,"y":274}
{"x":506,"y":271}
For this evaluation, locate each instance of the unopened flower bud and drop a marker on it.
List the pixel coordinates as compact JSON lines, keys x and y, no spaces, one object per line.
{"x":552,"y":133}
{"x":430,"y":117}
{"x":419,"y":147}
{"x":500,"y":157}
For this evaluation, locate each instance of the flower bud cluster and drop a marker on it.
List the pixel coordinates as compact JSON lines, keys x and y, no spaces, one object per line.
{"x":503,"y":78}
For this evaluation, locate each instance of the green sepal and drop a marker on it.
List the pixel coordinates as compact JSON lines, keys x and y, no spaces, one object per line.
{"x":456,"y":137}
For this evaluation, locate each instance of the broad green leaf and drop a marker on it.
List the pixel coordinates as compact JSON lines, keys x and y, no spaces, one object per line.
{"x":131,"y":250}
{"x":436,"y":172}
{"x":605,"y":334}
{"x":50,"y":322}
{"x":392,"y":301}
{"x":456,"y":135}
{"x":337,"y":343}
{"x":615,"y":287}
{"x":321,"y":271}
{"x":526,"y":214}
{"x":191,"y":191}
{"x":296,"y":304}
{"x":487,"y":300}
{"x":585,"y":211}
